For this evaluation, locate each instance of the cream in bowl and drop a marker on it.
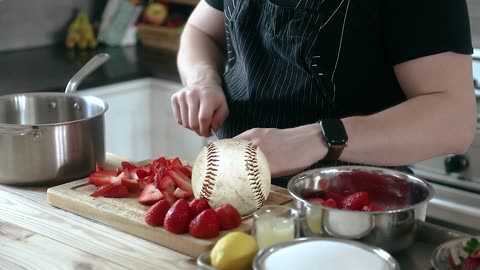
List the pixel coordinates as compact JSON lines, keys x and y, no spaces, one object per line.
{"x":323,"y":254}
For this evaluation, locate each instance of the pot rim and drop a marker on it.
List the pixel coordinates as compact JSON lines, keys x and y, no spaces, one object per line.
{"x":87,"y":98}
{"x":347,"y":168}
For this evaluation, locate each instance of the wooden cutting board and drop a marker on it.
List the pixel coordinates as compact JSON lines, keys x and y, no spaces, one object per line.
{"x":127,"y":215}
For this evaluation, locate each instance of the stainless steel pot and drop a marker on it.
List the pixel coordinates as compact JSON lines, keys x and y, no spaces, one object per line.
{"x":404,"y":197}
{"x":52,"y":137}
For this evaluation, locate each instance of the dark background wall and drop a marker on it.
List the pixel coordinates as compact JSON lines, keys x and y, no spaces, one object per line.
{"x":34,"y":23}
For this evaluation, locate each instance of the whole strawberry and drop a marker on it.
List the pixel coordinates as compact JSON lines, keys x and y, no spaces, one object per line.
{"x":205,"y":225}
{"x":178,"y":217}
{"x":198,"y":205}
{"x":355,"y":201}
{"x":155,"y":215}
{"x":228,"y":216}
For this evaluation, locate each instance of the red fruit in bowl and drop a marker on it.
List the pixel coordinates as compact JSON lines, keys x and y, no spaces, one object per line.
{"x":330,"y":203}
{"x":228,"y":216}
{"x":334,"y":196}
{"x":205,"y":225}
{"x":198,"y":205}
{"x":178,"y":217}
{"x":355,"y":201}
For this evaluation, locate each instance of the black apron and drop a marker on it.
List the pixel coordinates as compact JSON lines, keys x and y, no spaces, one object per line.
{"x":278,"y":76}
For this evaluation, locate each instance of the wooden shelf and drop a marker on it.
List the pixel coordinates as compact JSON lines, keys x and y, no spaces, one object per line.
{"x":159,"y":36}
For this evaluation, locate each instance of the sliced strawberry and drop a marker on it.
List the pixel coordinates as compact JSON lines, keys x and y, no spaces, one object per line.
{"x":198,"y":205}
{"x":158,"y":164}
{"x":334,"y":196}
{"x":175,"y":163}
{"x":128,"y":174}
{"x":145,"y":181}
{"x":101,"y":178}
{"x":141,"y":173}
{"x":178,"y":217}
{"x":181,"y":180}
{"x":316,"y":200}
{"x":372,"y":208}
{"x":470,"y":263}
{"x":186,"y":170}
{"x":147,"y":168}
{"x":180,"y":193}
{"x":117,"y":192}
{"x":98,"y":167}
{"x":131,"y":184}
{"x":228,"y":216}
{"x":102,"y":190}
{"x":150,"y":195}
{"x":205,"y":225}
{"x":166,"y":184}
{"x":128,"y":165}
{"x":155,"y":215}
{"x":169,"y":197}
{"x":355,"y":201}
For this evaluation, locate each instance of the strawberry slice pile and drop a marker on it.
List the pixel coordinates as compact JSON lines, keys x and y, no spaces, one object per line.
{"x":354,"y":201}
{"x":197,"y":217}
{"x":163,"y":178}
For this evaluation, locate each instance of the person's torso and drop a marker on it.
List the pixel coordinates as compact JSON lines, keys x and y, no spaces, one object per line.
{"x":295,"y":62}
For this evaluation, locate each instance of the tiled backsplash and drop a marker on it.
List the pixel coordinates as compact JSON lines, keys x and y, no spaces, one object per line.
{"x":34,"y":23}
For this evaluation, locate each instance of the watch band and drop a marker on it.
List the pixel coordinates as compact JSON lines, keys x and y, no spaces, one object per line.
{"x":334,"y":152}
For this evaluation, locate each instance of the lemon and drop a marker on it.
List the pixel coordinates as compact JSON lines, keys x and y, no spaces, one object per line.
{"x":234,"y":251}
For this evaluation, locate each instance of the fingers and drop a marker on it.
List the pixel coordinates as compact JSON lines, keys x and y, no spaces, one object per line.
{"x":205,"y":118}
{"x":176,"y":109}
{"x":193,"y":103}
{"x":196,"y":110}
{"x":219,"y":116}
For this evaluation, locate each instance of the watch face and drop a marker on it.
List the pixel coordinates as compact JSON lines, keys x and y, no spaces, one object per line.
{"x":334,"y":131}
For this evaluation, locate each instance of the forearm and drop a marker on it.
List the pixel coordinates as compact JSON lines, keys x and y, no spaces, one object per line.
{"x":200,"y":59}
{"x":420,"y":128}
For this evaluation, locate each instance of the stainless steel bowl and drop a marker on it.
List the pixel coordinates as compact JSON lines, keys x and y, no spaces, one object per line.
{"x":404,"y":197}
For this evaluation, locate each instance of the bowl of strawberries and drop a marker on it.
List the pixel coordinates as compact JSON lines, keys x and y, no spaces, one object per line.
{"x":377,"y":206}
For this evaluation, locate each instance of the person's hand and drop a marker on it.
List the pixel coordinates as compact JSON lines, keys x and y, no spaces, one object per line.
{"x":200,"y":107}
{"x":288,"y":151}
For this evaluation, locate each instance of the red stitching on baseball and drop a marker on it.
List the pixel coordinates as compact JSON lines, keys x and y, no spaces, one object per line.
{"x":211,"y":174}
{"x":253,"y":172}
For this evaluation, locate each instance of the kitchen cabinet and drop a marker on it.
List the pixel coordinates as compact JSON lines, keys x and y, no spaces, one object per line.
{"x":139,"y":123}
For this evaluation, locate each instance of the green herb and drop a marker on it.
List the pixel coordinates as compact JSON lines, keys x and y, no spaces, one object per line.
{"x":472,"y":246}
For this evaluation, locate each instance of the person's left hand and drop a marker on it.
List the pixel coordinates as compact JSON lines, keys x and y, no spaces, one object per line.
{"x":288,"y":151}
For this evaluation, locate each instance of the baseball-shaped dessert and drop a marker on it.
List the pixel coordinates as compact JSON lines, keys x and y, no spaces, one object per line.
{"x":232,"y":171}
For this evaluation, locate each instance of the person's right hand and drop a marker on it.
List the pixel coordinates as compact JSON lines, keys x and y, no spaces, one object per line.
{"x":200,"y":107}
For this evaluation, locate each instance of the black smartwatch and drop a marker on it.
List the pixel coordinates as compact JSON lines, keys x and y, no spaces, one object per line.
{"x":335,"y":136}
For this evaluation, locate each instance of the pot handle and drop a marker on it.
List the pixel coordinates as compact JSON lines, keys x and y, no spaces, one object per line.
{"x":88,"y":68}
{"x":15,"y":131}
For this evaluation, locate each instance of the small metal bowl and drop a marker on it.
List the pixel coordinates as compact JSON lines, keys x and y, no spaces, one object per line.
{"x":323,"y":253}
{"x":404,"y":197}
{"x":449,"y":254}
{"x":204,"y":261}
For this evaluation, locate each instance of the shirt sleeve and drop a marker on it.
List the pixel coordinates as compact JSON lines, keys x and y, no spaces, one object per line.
{"x":217,"y":4}
{"x":417,"y":28}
